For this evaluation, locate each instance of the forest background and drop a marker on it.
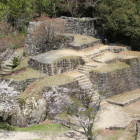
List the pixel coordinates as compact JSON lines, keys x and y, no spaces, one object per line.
{"x":120,"y":18}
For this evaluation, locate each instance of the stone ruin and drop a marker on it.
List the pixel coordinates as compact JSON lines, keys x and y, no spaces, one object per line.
{"x":38,"y":32}
{"x":120,"y":80}
{"x":44,"y":57}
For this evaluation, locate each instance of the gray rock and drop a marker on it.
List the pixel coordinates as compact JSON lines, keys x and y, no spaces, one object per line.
{"x":31,"y":112}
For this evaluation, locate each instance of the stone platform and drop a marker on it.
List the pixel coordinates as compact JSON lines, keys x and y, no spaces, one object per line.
{"x":54,"y":62}
{"x":125,"y":98}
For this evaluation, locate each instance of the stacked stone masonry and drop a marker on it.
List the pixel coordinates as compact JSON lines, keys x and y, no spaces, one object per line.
{"x":37,"y":43}
{"x":56,"y":67}
{"x":79,"y":25}
{"x":83,"y":46}
{"x":118,"y":81}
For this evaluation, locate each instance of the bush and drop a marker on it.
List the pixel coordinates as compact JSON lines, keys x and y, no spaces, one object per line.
{"x":15,"y":62}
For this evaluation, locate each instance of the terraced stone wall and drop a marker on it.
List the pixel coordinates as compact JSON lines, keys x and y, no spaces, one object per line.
{"x":38,"y":40}
{"x":59,"y":66}
{"x":84,"y":46}
{"x":79,"y":25}
{"x":118,"y":81}
{"x":37,"y":36}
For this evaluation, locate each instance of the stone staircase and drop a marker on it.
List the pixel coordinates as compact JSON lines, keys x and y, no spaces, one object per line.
{"x":94,"y":56}
{"x":85,"y":84}
{"x":6,"y":67}
{"x":6,"y":63}
{"x":86,"y":68}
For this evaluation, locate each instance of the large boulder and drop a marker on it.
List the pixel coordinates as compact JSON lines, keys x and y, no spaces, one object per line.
{"x":31,"y":111}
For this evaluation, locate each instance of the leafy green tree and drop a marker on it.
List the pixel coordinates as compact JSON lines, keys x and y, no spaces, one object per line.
{"x":17,"y":12}
{"x":121,"y":20}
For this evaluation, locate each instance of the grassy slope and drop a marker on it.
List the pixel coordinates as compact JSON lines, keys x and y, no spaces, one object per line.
{"x":47,"y":129}
{"x":28,"y":73}
{"x":111,"y":67}
{"x":38,"y":85}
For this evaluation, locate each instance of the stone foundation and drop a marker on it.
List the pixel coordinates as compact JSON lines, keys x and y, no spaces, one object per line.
{"x":56,"y":67}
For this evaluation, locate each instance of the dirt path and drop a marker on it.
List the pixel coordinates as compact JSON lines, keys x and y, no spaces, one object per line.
{"x":68,"y":135}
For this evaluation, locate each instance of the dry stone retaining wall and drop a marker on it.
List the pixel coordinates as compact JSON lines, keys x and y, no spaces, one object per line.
{"x":36,"y":40}
{"x":118,"y":81}
{"x":83,"y":46}
{"x":79,"y":25}
{"x":56,"y":67}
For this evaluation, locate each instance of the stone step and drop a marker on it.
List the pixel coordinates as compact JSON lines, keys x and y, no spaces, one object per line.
{"x":83,"y":72}
{"x":81,"y":77}
{"x":85,"y":83}
{"x":85,"y":86}
{"x":92,"y":66}
{"x":5,"y":67}
{"x":83,"y":80}
{"x":97,"y":61}
{"x":7,"y":63}
{"x":5,"y":73}
{"x":6,"y":70}
{"x":84,"y":68}
{"x":8,"y":55}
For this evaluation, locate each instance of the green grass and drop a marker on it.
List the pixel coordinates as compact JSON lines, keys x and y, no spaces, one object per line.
{"x":47,"y":129}
{"x":23,"y":63}
{"x":111,"y":67}
{"x":28,"y":73}
{"x":37,"y":86}
{"x":125,"y":97}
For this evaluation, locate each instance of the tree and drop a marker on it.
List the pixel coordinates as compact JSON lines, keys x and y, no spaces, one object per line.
{"x":17,"y":12}
{"x":84,"y":110}
{"x":8,"y":98}
{"x":73,"y":6}
{"x":46,"y":31}
{"x":121,"y":20}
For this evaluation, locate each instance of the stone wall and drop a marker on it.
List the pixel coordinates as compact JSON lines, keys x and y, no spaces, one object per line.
{"x":83,"y":46}
{"x":79,"y":25}
{"x":118,"y":81}
{"x":59,"y":66}
{"x":40,"y":40}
